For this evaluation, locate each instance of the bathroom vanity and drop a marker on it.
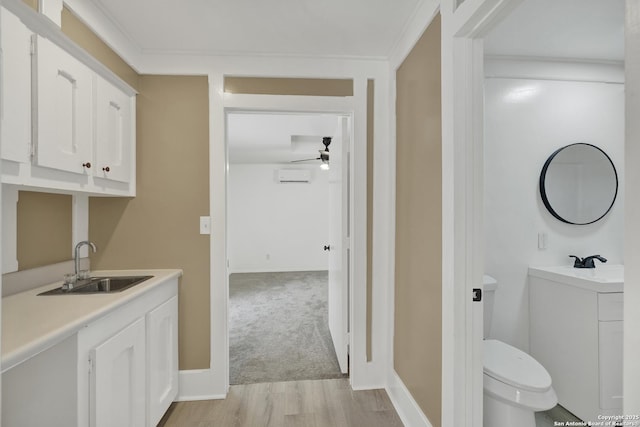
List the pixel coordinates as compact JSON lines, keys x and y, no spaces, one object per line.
{"x":575,"y":332}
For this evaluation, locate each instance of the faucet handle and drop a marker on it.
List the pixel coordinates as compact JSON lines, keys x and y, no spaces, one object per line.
{"x":69,"y":281}
{"x":578,"y":263}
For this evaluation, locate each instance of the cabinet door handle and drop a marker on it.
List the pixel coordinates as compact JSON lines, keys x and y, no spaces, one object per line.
{"x":106,"y":169}
{"x":86,"y":165}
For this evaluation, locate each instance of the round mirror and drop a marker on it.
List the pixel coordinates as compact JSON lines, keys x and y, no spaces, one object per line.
{"x":579,"y":184}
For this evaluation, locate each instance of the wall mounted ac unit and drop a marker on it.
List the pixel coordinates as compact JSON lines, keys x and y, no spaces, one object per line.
{"x":294,"y":175}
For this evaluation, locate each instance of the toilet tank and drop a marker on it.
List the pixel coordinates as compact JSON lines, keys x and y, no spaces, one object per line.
{"x":489,"y":285}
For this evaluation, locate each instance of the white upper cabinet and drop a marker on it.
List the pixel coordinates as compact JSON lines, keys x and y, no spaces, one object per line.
{"x":113,"y":132}
{"x":15,"y":98}
{"x":68,"y":122}
{"x":64,"y":130}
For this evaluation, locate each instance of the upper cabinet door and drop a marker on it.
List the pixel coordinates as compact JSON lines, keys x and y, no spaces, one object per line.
{"x":113,"y":132}
{"x":15,"y":99}
{"x":64,"y":110}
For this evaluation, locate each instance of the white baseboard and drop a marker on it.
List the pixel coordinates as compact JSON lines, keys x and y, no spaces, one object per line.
{"x":406,"y":407}
{"x":198,"y":384}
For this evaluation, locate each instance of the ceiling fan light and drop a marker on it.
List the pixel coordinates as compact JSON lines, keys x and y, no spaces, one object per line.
{"x":324,"y":166}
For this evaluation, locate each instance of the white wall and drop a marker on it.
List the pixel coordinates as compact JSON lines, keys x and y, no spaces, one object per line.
{"x":525,"y":121}
{"x":276,"y":226}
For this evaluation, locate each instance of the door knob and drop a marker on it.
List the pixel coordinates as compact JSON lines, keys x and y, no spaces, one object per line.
{"x":106,"y":169}
{"x":327,"y":248}
{"x":86,"y":165}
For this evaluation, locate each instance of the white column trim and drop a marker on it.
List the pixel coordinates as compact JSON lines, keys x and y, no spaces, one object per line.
{"x":219,"y":365}
{"x":9,"y":229}
{"x":52,"y":9}
{"x":80,"y":223}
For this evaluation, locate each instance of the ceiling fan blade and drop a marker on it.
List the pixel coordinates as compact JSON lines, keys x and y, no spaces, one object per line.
{"x":304,"y":160}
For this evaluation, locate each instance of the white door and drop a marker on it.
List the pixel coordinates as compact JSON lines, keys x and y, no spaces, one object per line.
{"x":338,"y":299}
{"x":118,"y":379}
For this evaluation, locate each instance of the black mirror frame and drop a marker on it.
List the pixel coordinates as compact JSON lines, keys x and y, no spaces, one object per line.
{"x":543,"y":192}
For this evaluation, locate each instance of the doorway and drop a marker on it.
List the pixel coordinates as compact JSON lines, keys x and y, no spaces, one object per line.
{"x":545,"y":90}
{"x":284,"y":233}
{"x":464,"y":39}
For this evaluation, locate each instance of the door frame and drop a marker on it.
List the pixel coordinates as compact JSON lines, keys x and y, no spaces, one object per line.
{"x":463,"y":29}
{"x":287,"y":104}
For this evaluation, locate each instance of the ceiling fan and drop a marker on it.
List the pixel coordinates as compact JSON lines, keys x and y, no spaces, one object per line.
{"x":324,"y":154}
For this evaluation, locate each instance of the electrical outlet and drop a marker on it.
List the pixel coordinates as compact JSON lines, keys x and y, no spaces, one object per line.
{"x":205,"y":225}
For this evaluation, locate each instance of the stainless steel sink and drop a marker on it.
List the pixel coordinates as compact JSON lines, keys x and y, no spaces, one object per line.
{"x":100,"y":285}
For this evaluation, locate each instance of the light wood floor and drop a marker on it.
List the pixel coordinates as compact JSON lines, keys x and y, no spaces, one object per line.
{"x":317,"y":403}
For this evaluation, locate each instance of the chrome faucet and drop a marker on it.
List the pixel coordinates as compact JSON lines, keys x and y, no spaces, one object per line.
{"x":77,"y":253}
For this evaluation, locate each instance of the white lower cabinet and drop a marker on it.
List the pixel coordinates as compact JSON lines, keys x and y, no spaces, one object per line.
{"x":576,"y":334}
{"x":118,"y":379}
{"x":128,"y":362}
{"x":610,"y":353}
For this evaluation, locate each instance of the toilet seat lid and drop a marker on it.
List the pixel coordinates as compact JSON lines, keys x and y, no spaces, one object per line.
{"x":511,"y":366}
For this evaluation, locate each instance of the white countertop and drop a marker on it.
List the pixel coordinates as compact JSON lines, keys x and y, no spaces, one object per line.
{"x":604,"y":278}
{"x":32,"y":323}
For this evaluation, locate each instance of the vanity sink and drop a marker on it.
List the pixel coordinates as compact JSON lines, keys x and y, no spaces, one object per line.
{"x":603,"y":278}
{"x":100,"y":285}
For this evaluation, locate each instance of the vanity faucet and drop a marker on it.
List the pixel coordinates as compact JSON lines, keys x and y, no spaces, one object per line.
{"x":587,"y":262}
{"x":77,"y":253}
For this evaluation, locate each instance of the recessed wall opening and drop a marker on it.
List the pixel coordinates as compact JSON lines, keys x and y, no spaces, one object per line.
{"x":284,"y":226}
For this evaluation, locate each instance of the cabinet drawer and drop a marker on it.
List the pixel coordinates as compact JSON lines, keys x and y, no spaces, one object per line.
{"x":610,"y":306}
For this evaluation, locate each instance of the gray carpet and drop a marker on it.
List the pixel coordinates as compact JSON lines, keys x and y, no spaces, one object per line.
{"x":278,"y":328}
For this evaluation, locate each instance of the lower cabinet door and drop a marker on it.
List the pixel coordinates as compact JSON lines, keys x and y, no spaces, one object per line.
{"x":610,"y":352}
{"x":162,"y":359}
{"x":118,"y":379}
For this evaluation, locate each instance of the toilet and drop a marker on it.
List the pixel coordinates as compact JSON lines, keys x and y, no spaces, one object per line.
{"x":515,"y":384}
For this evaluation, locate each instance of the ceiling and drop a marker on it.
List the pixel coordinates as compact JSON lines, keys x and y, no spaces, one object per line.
{"x":341,"y":28}
{"x":277,"y":138}
{"x":574,"y":29}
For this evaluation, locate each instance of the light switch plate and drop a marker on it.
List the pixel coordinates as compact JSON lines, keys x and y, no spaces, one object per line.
{"x":205,"y":225}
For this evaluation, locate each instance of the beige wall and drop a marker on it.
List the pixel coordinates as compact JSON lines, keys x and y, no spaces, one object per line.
{"x":32,"y":3}
{"x":85,"y":38}
{"x":44,"y":229}
{"x":418,"y":296}
{"x":159,"y":228}
{"x":288,"y":86}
